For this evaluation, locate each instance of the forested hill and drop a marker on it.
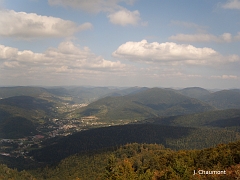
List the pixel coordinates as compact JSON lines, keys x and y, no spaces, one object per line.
{"x":20,"y":115}
{"x":225,"y":99}
{"x":217,"y":118}
{"x":221,"y":99}
{"x":78,"y":94}
{"x":6,"y":92}
{"x":144,"y":104}
{"x":13,"y":174}
{"x":144,"y":161}
{"x":115,"y":136}
{"x":192,"y":118}
{"x":27,"y":103}
{"x":194,"y":92}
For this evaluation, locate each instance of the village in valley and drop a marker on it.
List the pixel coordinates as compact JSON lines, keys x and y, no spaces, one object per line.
{"x":53,"y":127}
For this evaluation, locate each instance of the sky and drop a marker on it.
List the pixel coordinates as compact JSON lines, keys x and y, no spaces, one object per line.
{"x":155,"y":43}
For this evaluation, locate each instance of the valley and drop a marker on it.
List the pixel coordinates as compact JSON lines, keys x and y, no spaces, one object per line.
{"x":20,"y":145}
{"x":119,"y":90}
{"x":43,"y":126}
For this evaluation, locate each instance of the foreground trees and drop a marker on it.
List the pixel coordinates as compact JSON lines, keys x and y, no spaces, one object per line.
{"x":152,"y":162}
{"x":141,"y":162}
{"x":12,"y":174}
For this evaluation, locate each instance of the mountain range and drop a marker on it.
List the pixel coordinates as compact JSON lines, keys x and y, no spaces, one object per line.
{"x":190,"y":118}
{"x":152,"y":102}
{"x":34,"y":104}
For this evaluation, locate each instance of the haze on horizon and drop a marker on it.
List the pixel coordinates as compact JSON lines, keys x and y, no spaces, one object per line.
{"x":120,"y":43}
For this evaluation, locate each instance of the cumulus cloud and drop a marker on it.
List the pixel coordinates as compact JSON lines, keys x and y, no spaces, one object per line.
{"x":30,"y":25}
{"x":226,"y":37}
{"x":116,"y":13}
{"x":232,"y":4}
{"x":8,"y":52}
{"x":124,"y":17}
{"x":171,"y":53}
{"x":66,"y":58}
{"x":66,"y":64}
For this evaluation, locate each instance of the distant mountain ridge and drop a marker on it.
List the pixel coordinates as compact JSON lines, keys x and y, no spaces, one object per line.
{"x":26,"y":102}
{"x":127,"y":91}
{"x":23,"y":105}
{"x":6,"y":92}
{"x":76,"y":94}
{"x":225,"y":99}
{"x":148,"y":103}
{"x":194,"y":92}
{"x":216,"y":118}
{"x":221,"y":99}
{"x":121,"y":104}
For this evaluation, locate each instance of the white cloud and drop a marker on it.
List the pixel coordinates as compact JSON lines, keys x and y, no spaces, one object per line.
{"x":116,"y":13}
{"x":8,"y":52}
{"x":30,"y":25}
{"x":66,"y":58}
{"x":232,"y":4}
{"x":226,"y":37}
{"x":124,"y":17}
{"x":171,"y":53}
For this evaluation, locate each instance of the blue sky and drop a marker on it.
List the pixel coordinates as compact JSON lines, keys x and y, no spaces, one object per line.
{"x":120,"y":43}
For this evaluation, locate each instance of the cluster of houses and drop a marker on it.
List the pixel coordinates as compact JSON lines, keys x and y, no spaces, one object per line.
{"x":54,"y":127}
{"x":19,"y":147}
